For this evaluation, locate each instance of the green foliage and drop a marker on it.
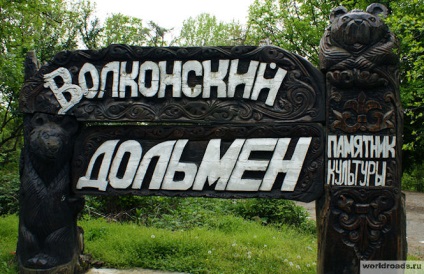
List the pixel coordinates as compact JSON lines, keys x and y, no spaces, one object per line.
{"x":49,"y":26}
{"x":8,"y":240}
{"x":205,"y":30}
{"x":117,"y":29}
{"x":413,"y":179}
{"x":234,"y":245}
{"x":275,"y":212}
{"x":9,"y":193}
{"x":296,"y":26}
{"x":186,"y":213}
{"x":407,"y":22}
{"x":132,"y":30}
{"x":242,"y":247}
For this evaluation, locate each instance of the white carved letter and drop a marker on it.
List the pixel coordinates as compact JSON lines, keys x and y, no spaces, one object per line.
{"x":291,"y":167}
{"x":214,"y":168}
{"x":154,"y":84}
{"x":236,"y":79}
{"x":163,"y":151}
{"x":134,"y":149}
{"x":273,"y":84}
{"x":215,"y":79}
{"x":173,"y":79}
{"x":114,"y":68}
{"x":106,"y":149}
{"x":236,"y":181}
{"x":188,"y":66}
{"x":189,"y":170}
{"x":88,"y":68}
{"x":127,"y":79}
{"x":74,"y":91}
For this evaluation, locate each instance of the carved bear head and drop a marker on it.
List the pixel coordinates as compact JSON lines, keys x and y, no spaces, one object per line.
{"x":51,"y":136}
{"x":356,"y":30}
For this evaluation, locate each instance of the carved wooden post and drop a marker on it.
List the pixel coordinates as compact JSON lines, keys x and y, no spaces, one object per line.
{"x":49,"y":239}
{"x":361,"y":216}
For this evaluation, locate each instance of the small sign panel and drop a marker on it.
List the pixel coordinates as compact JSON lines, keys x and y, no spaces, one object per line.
{"x":360,"y":160}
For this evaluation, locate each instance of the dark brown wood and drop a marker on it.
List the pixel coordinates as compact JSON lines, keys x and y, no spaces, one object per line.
{"x":308,"y":186}
{"x":262,"y":99}
{"x":300,"y":97}
{"x":48,"y":236}
{"x":185,"y":109}
{"x":361,"y":215}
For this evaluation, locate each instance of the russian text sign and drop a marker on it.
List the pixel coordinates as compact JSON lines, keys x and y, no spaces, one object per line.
{"x":213,"y":121}
{"x":211,"y":84}
{"x":215,"y":161}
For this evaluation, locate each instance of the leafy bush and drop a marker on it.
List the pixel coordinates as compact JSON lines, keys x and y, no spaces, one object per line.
{"x":9,"y":193}
{"x":275,"y":212}
{"x":178,"y":213}
{"x":413,"y":179}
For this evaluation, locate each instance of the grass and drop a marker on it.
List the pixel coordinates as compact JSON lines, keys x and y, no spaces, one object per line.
{"x":233,"y":245}
{"x":230,"y":245}
{"x":8,"y":240}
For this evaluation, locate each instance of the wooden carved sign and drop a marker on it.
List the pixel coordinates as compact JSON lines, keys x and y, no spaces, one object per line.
{"x":215,"y":161}
{"x":252,"y":120}
{"x":228,"y":122}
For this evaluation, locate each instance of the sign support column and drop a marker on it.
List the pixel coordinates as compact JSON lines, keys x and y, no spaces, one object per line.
{"x":361,"y":216}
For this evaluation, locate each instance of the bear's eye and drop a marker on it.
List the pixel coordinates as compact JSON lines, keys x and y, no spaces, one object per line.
{"x":344,"y":18}
{"x":372,"y":19}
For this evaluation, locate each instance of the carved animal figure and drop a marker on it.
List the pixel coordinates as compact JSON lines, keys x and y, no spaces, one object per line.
{"x":357,"y":40}
{"x":48,"y":235}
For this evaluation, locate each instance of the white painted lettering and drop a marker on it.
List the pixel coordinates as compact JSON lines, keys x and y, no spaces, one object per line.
{"x":133,"y":148}
{"x":89,"y":69}
{"x":215,"y":79}
{"x":196,"y":67}
{"x":188,"y":169}
{"x":237,"y":182}
{"x":272,"y":84}
{"x":215,"y":169}
{"x":74,"y":91}
{"x":100,"y":181}
{"x":163,"y":152}
{"x":128,"y":79}
{"x":149,"y":89}
{"x":112,"y":67}
{"x":173,"y":79}
{"x":245,"y":79}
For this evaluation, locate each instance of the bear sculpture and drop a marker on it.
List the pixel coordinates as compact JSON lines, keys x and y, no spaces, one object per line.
{"x":49,"y":238}
{"x":356,"y":45}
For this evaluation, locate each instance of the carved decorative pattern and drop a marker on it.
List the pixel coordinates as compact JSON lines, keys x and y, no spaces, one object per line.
{"x":357,"y":56}
{"x":300,"y":97}
{"x":363,"y":115}
{"x":364,"y":217}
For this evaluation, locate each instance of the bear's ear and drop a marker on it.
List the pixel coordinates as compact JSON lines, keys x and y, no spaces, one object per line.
{"x":377,"y":10}
{"x":337,"y":12}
